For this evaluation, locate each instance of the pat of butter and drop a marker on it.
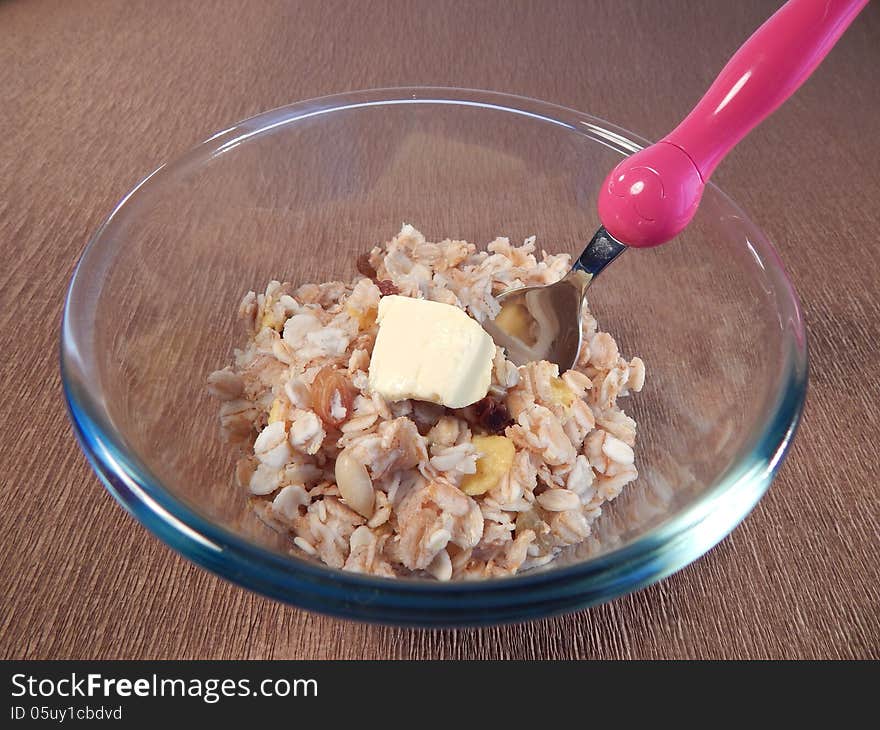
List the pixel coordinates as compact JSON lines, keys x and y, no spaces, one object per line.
{"x":430,"y":351}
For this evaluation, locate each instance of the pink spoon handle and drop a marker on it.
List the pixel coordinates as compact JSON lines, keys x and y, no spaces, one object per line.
{"x":652,"y":195}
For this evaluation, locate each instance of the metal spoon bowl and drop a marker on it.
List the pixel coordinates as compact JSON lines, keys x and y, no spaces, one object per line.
{"x":544,"y":322}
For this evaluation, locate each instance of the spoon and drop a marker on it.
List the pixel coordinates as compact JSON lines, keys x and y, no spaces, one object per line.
{"x":651,"y":196}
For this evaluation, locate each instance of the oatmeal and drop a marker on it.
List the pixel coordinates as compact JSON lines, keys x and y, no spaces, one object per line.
{"x":410,"y":487}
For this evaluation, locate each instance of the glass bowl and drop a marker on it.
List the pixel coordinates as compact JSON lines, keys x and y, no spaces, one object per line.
{"x":296,"y":193}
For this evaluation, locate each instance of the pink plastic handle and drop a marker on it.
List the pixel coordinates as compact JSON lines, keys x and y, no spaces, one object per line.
{"x":652,"y":195}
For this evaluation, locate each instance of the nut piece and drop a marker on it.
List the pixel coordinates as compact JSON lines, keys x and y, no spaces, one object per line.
{"x":332,"y":396}
{"x":355,"y":484}
{"x":494,"y":463}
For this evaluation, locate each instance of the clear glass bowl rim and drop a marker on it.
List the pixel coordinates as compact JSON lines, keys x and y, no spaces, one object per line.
{"x":663,"y":550}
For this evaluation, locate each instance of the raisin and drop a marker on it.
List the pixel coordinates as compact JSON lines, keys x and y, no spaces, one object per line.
{"x":492,"y":415}
{"x":365,"y":267}
{"x":387,"y":287}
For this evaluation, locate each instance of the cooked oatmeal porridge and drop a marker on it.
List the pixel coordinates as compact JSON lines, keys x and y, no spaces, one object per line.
{"x":410,"y":487}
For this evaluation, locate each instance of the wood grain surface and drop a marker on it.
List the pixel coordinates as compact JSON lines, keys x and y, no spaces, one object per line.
{"x":95,"y":93}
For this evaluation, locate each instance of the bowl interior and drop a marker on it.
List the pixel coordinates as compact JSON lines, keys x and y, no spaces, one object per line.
{"x":297,"y":193}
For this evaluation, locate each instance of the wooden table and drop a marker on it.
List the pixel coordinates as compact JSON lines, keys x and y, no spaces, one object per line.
{"x":95,"y":93}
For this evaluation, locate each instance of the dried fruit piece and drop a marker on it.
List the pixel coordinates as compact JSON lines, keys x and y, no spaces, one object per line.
{"x":332,"y":396}
{"x":387,"y":287}
{"x":562,"y":394}
{"x":492,"y":415}
{"x":273,"y":319}
{"x":517,"y":322}
{"x":365,"y":318}
{"x":365,"y":267}
{"x":278,"y":411}
{"x":496,"y":458}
